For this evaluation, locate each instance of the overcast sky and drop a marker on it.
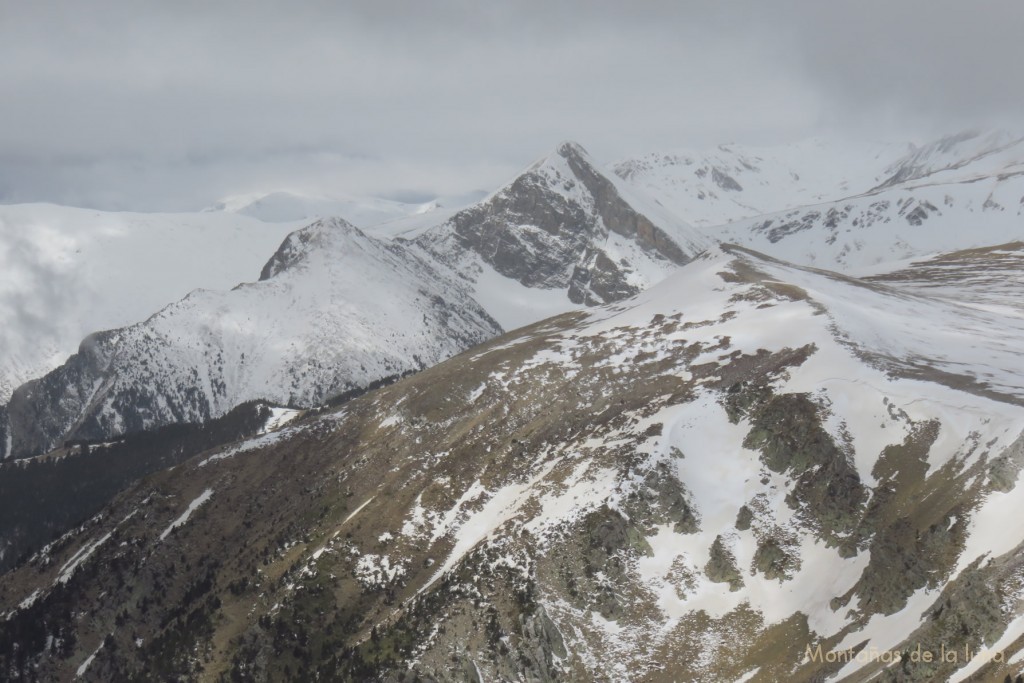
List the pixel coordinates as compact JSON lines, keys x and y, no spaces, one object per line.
{"x":173,"y":105}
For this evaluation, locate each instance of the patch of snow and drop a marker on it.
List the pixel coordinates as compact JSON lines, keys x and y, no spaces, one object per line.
{"x":279,"y":417}
{"x":357,"y":510}
{"x":83,"y":554}
{"x":391,"y":420}
{"x":884,"y":632}
{"x":477,"y":393}
{"x":266,"y":439}
{"x":378,"y":570}
{"x":988,"y":533}
{"x":1014,"y":630}
{"x":30,"y":600}
{"x":748,"y":676}
{"x":192,"y":507}
{"x":84,"y":666}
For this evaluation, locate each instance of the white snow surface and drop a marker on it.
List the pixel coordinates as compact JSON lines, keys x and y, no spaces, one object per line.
{"x":340,"y":310}
{"x":842,"y":204}
{"x":67,"y":272}
{"x":84,"y":666}
{"x":192,"y":507}
{"x":769,"y":179}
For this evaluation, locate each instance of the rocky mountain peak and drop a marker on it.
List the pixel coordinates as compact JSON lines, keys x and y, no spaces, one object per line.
{"x":566,"y":224}
{"x":567,"y":149}
{"x":301,"y":243}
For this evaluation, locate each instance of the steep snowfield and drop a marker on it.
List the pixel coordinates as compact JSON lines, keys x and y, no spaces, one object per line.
{"x":66,"y":272}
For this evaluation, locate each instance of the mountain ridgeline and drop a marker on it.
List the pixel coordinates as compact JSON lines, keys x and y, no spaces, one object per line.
{"x":557,"y":435}
{"x":336,"y":309}
{"x":707,"y":481}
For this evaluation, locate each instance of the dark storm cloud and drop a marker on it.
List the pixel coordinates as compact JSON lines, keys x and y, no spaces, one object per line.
{"x":171,"y":105}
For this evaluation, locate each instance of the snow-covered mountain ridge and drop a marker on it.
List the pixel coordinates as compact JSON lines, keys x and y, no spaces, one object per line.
{"x":746,"y":461}
{"x":733,"y":182}
{"x":65,"y":273}
{"x":337,"y":309}
{"x":847,"y":206}
{"x":561,"y":235}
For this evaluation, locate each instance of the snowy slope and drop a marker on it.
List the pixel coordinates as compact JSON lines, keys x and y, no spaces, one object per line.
{"x":732,"y":182}
{"x":562,"y":234}
{"x":895,"y":223}
{"x":990,"y":278}
{"x":338,"y":309}
{"x":970,"y":154}
{"x":847,"y":206}
{"x":66,"y":272}
{"x":335,"y":311}
{"x":704,"y":482}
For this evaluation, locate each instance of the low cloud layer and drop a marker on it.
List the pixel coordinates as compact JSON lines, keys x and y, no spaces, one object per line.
{"x":169,"y":106}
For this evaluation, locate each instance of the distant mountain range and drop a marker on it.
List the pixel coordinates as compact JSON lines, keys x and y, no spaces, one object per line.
{"x":564,"y":233}
{"x":736,"y":415}
{"x":337,"y":308}
{"x":846,"y":207}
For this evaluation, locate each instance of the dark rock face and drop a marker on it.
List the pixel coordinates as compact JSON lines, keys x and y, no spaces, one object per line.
{"x":725,"y":181}
{"x":662,"y":500}
{"x":291,"y":251}
{"x":721,"y":566}
{"x":598,"y":280}
{"x":547,"y":229}
{"x":559,"y":231}
{"x":40,"y":411}
{"x":617,"y":214}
